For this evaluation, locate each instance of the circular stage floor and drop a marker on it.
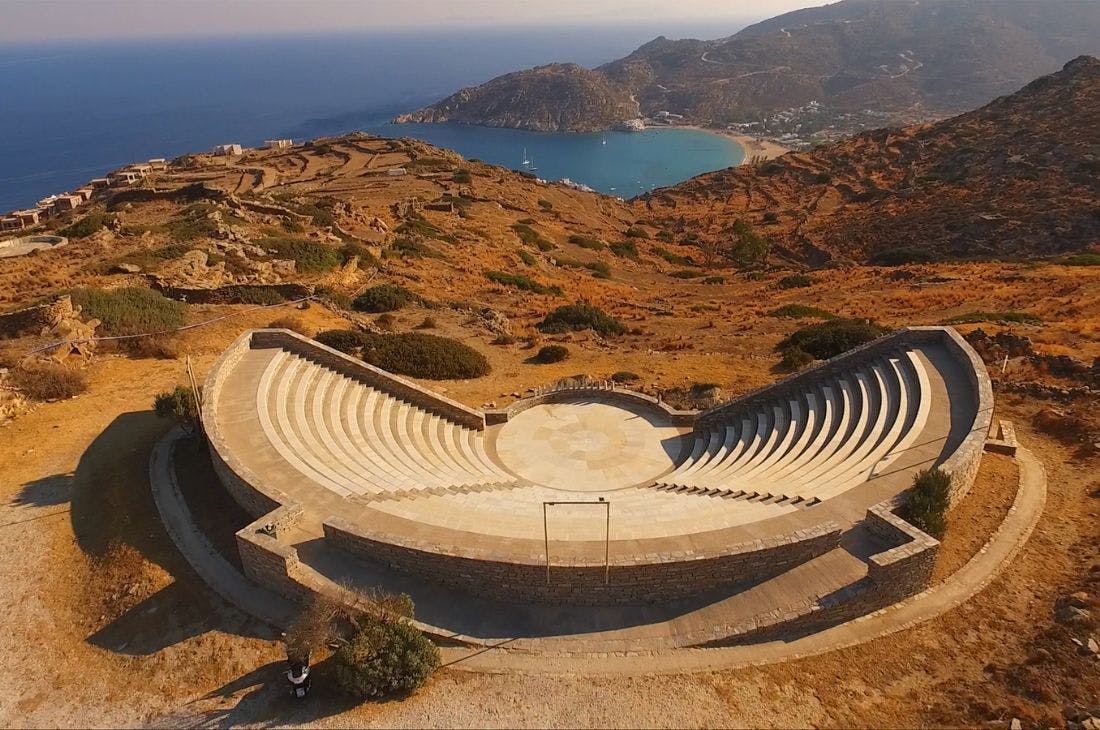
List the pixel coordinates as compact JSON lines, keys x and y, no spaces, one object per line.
{"x":588,"y":446}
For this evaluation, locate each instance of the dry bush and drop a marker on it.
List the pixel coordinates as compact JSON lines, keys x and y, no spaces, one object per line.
{"x":292,"y":323}
{"x":161,"y":347}
{"x":49,"y":381}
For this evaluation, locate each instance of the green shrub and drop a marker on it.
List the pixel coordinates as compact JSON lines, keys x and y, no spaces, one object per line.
{"x":1077,"y":259}
{"x":421,"y":355}
{"x":530,"y":236}
{"x":462,"y":177}
{"x":979,"y":316}
{"x":625,"y":376}
{"x":666,"y":236}
{"x":546,"y":204}
{"x":408,"y":248}
{"x":525,"y":257}
{"x":428,"y":323}
{"x":625,"y":249}
{"x":131,"y":310}
{"x":415,"y":354}
{"x":48,"y":381}
{"x":577,"y":317}
{"x":636,"y":233}
{"x":771,"y":217}
{"x":927,"y":503}
{"x":386,"y":321}
{"x":714,"y":280}
{"x":346,"y":341}
{"x":178,"y":405}
{"x":308,"y":256}
{"x":383,"y":298}
{"x":418,"y":226}
{"x":830,"y":338}
{"x":252,"y":294}
{"x":795,"y":281}
{"x":87,"y":225}
{"x":353,"y":249}
{"x":749,"y":247}
{"x":901,"y":256}
{"x":552,"y":353}
{"x":673,"y":258}
{"x":593,"y":244}
{"x":686,"y":274}
{"x":599,"y":269}
{"x":519,"y":281}
{"x":192,"y":224}
{"x":337,"y":299}
{"x":385,"y":657}
{"x":795,"y":358}
{"x":798,"y":311}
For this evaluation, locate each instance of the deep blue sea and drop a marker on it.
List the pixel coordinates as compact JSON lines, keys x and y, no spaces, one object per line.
{"x":73,"y":111}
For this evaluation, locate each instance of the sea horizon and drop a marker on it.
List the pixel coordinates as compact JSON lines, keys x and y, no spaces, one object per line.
{"x":86,"y":107}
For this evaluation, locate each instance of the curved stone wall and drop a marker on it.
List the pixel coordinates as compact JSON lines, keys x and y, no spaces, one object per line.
{"x":640,"y":570}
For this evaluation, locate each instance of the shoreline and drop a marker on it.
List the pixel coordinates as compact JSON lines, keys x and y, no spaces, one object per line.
{"x":754,"y":147}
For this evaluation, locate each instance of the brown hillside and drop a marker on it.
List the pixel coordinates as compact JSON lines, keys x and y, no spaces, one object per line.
{"x":557,"y":97}
{"x":901,"y":60}
{"x":1018,"y":177}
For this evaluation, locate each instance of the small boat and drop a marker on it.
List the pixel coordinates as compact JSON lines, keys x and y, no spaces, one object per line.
{"x":603,"y":141}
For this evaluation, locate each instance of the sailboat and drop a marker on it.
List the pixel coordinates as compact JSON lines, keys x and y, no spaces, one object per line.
{"x":527,"y":162}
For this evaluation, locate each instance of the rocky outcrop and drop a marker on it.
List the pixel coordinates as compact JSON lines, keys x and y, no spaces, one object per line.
{"x":553,"y":98}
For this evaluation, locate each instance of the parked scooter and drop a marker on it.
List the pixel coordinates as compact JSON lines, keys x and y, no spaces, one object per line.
{"x":298,"y":676}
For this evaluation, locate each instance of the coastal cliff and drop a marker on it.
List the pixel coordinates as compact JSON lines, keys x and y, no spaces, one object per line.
{"x":552,"y":98}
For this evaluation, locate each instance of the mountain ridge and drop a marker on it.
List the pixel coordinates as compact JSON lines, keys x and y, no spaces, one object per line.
{"x":909,"y":60}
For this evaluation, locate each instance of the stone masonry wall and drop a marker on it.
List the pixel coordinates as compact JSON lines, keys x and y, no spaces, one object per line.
{"x":893,"y":575}
{"x":512,"y":579}
{"x":633,"y":398}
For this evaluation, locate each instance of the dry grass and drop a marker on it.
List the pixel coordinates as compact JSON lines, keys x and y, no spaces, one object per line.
{"x":49,"y":381}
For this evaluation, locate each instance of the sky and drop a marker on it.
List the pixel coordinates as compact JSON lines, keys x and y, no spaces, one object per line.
{"x":40,"y":20}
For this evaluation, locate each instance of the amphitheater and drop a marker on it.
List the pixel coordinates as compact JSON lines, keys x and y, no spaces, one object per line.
{"x":590,"y":513}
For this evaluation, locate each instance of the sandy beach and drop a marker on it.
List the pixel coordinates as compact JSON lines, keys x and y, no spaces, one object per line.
{"x":755,"y":147}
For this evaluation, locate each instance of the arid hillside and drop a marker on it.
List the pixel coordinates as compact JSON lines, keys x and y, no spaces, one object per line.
{"x":558,"y":97}
{"x":1018,"y":177}
{"x":398,"y":239}
{"x":904,"y":60}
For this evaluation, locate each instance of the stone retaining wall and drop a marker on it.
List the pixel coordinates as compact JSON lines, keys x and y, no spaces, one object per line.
{"x":609,"y":393}
{"x":893,"y":575}
{"x":369,"y":375}
{"x":629,"y":579}
{"x":232,"y":294}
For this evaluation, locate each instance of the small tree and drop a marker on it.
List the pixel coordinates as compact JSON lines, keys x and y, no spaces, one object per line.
{"x":179,"y":405}
{"x":385,"y":654}
{"x":749,"y":247}
{"x":928,"y":501}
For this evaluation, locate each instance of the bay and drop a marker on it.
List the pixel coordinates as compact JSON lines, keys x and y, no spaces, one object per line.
{"x":75,"y":110}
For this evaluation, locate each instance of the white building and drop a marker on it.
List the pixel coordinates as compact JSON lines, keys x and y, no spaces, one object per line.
{"x":229,"y":150}
{"x":277,"y":144}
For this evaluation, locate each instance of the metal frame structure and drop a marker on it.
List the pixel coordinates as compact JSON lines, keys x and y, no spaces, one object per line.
{"x":606,"y":537}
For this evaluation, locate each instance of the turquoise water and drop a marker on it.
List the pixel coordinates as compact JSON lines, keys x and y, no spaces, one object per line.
{"x":624,"y":164}
{"x":73,"y":111}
